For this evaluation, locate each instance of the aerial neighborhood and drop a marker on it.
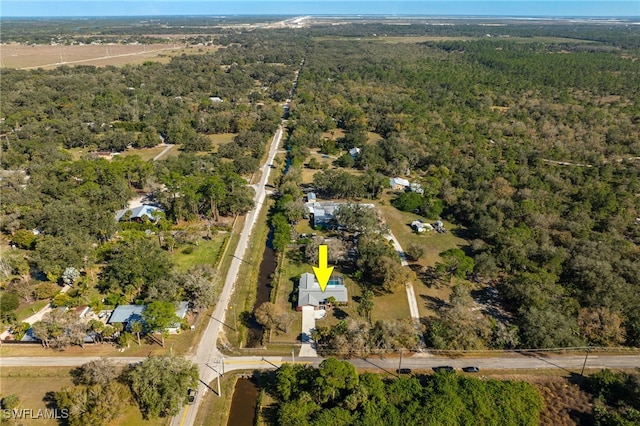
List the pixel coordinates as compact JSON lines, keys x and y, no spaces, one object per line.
{"x":310,"y":220}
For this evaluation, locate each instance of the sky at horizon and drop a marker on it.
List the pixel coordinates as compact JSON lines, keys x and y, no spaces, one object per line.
{"x":505,"y":8}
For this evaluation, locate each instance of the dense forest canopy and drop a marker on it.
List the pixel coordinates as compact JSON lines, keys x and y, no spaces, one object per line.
{"x":532,"y":145}
{"x":336,"y":394}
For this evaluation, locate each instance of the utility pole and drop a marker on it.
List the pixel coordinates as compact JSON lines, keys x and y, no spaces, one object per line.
{"x":219,"y":391}
{"x":585,"y":360}
{"x":400,"y":363}
{"x":293,"y":359}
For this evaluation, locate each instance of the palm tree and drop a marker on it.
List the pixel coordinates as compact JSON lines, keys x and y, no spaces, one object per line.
{"x":136,"y":327}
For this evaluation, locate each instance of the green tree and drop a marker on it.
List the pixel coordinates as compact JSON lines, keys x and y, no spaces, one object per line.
{"x":136,"y":264}
{"x":158,"y":316}
{"x":45,"y":290}
{"x":455,"y":263}
{"x":98,"y":372}
{"x":281,"y":232}
{"x":160,"y":384}
{"x":93,"y":404}
{"x":136,"y":327}
{"x":415,"y":251}
{"x":408,"y":201}
{"x":335,"y":377}
{"x":9,"y":302}
{"x":366,"y":304}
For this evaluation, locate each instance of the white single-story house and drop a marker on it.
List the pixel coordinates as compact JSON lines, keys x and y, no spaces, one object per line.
{"x":399,"y":184}
{"x":138,"y":213}
{"x":310,"y":294}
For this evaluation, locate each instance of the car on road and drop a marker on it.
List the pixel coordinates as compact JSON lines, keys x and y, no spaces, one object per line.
{"x":191,"y":396}
{"x":443,"y":368}
{"x":470,"y":369}
{"x":403,"y":371}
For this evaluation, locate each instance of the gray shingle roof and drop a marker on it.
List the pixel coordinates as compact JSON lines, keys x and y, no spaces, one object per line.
{"x":309,"y":293}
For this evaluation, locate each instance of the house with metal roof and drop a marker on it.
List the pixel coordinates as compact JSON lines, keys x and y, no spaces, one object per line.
{"x":139,"y":213}
{"x":399,"y":184}
{"x":310,"y":294}
{"x":127,"y":314}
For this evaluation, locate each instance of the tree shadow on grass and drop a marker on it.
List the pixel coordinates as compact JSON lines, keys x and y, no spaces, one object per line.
{"x":433,"y":303}
{"x":339,"y":313}
{"x":427,"y":275}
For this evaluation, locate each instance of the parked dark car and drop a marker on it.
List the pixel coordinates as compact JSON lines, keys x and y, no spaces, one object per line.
{"x":470,"y":369}
{"x":191,"y":396}
{"x":403,"y":371}
{"x":443,"y":368}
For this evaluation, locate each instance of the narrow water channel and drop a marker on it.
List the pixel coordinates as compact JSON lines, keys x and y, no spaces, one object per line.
{"x":243,"y":404}
{"x":267,"y":268}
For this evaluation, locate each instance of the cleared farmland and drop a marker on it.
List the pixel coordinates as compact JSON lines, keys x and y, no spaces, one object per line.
{"x":24,"y":56}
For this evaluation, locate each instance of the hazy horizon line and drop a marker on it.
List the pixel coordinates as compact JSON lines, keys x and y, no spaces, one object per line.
{"x":468,"y":8}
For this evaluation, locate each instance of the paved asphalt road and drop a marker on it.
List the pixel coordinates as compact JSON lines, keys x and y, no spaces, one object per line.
{"x":569,"y":363}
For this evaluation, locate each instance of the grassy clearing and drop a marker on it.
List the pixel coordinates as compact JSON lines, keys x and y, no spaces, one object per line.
{"x":429,"y":295}
{"x":433,"y":242}
{"x":214,"y":410}
{"x":205,"y":253}
{"x":145,"y":154}
{"x":33,"y":385}
{"x":220,"y":139}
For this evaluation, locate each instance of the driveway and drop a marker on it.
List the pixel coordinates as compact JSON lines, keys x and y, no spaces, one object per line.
{"x":308,"y":348}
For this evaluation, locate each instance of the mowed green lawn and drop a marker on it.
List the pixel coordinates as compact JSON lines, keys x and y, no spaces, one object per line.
{"x":433,"y":242}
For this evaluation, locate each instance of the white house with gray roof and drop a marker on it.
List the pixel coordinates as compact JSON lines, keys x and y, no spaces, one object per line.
{"x":310,"y":294}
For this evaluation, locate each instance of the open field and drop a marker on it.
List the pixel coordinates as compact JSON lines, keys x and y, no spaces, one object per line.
{"x":220,"y":139}
{"x":205,"y":253}
{"x":433,"y":242}
{"x":145,"y":154}
{"x":24,"y":56}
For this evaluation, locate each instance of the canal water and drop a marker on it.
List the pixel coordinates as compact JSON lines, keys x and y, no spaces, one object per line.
{"x":243,"y":404}
{"x":267,"y":268}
